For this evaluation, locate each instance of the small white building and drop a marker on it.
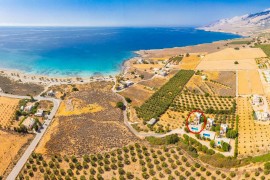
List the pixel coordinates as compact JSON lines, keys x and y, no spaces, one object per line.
{"x":210,"y":122}
{"x":257,"y":100}
{"x":51,"y":93}
{"x":129,"y":83}
{"x":223,"y":129}
{"x":163,"y":73}
{"x":208,"y":134}
{"x":152,"y":121}
{"x":204,"y":77}
{"x":29,"y":123}
{"x":39,"y":113}
{"x":29,"y":107}
{"x":264,"y":116}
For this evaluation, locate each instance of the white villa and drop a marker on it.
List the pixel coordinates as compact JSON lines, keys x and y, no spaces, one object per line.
{"x":29,"y":107}
{"x":39,"y":113}
{"x":264,"y":116}
{"x":210,"y":123}
{"x":29,"y":123}
{"x":257,"y":100}
{"x":152,"y":121}
{"x":223,"y":129}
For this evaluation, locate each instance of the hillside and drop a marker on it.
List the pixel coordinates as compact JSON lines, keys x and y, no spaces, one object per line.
{"x":246,"y":25}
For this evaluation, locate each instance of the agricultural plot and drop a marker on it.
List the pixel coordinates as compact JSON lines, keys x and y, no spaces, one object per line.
{"x":253,"y":137}
{"x":171,"y":120}
{"x":159,"y":102}
{"x":190,"y":62}
{"x":130,"y":162}
{"x":249,"y":82}
{"x":217,"y":83}
{"x":8,"y":107}
{"x":265,"y":48}
{"x":137,"y":93}
{"x":154,"y":83}
{"x":11,"y":143}
{"x":83,"y":131}
{"x":226,"y":59}
{"x":208,"y":104}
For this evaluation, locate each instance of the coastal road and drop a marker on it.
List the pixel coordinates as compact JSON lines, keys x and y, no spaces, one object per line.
{"x":17,"y":168}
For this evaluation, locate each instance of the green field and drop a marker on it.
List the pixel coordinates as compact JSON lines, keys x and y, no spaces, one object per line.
{"x":265,"y":48}
{"x":160,"y":101}
{"x":240,"y":42}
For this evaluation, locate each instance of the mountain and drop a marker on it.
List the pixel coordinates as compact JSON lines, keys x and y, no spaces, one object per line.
{"x":246,"y":25}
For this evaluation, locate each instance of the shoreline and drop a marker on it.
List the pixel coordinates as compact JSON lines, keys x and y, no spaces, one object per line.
{"x":24,"y":77}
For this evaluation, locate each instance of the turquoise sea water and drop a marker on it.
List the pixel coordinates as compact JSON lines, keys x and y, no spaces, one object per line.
{"x":86,"y":51}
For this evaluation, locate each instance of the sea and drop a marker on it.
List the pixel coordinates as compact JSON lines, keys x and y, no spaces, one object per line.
{"x":87,"y":51}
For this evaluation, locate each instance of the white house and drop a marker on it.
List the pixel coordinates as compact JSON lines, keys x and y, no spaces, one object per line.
{"x":223,"y":129}
{"x":152,"y":121}
{"x":204,"y":77}
{"x":39,"y":113}
{"x":257,"y":100}
{"x":208,"y":134}
{"x":29,"y":123}
{"x":210,"y":122}
{"x":51,"y":93}
{"x":29,"y":107}
{"x":264,"y":116}
{"x":128,"y":83}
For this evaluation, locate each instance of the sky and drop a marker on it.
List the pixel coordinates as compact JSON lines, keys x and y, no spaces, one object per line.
{"x":123,"y":12}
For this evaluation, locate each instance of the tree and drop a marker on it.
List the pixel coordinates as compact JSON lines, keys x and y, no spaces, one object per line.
{"x":225,"y":146}
{"x":267,"y":166}
{"x":128,"y":99}
{"x":172,"y":139}
{"x":231,"y":134}
{"x":120,"y":105}
{"x":236,"y":62}
{"x":212,"y":143}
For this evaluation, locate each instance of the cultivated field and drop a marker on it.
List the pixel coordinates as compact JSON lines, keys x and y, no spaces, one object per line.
{"x":249,"y":82}
{"x":218,"y":83}
{"x":11,"y":143}
{"x":190,"y":62}
{"x":91,"y":124}
{"x":154,"y":83}
{"x":253,"y":137}
{"x":225,"y":59}
{"x":8,"y":107}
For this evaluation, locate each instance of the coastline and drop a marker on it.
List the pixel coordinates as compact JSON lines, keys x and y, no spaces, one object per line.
{"x":24,"y":77}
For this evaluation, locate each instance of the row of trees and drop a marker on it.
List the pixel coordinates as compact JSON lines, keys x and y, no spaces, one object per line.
{"x":160,"y":101}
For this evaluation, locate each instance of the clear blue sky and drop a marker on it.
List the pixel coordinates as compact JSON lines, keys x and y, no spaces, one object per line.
{"x":123,"y":12}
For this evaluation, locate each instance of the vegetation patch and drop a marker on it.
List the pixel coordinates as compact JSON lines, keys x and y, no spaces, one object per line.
{"x":160,"y":101}
{"x":265,"y":48}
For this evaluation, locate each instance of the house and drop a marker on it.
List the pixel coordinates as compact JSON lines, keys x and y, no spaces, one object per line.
{"x":128,"y":83}
{"x":264,"y":116}
{"x":29,"y":107}
{"x":257,"y":100}
{"x":29,"y":123}
{"x":210,"y":122}
{"x":163,"y":73}
{"x":223,"y":139}
{"x":204,"y":77}
{"x":223,"y":129}
{"x":152,"y":121}
{"x":51,"y":93}
{"x":208,"y":134}
{"x":140,"y":61}
{"x":39,"y":113}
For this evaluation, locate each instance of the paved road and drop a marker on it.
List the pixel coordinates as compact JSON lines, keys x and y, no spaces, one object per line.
{"x":17,"y":168}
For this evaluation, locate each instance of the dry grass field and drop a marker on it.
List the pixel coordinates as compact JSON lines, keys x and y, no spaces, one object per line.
{"x":147,"y":66}
{"x":12,"y":87}
{"x":218,"y":83}
{"x":191,"y":62}
{"x":172,"y":120}
{"x":138,"y":94}
{"x":254,"y":137}
{"x":249,"y":82}
{"x":78,"y":130}
{"x":154,"y":83}
{"x":225,"y":59}
{"x":11,"y":143}
{"x":8,"y":107}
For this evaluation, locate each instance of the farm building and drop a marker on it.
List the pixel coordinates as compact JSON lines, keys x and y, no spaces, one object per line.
{"x":152,"y":121}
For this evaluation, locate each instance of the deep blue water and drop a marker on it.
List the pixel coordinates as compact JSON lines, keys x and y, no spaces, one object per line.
{"x":84,"y":51}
